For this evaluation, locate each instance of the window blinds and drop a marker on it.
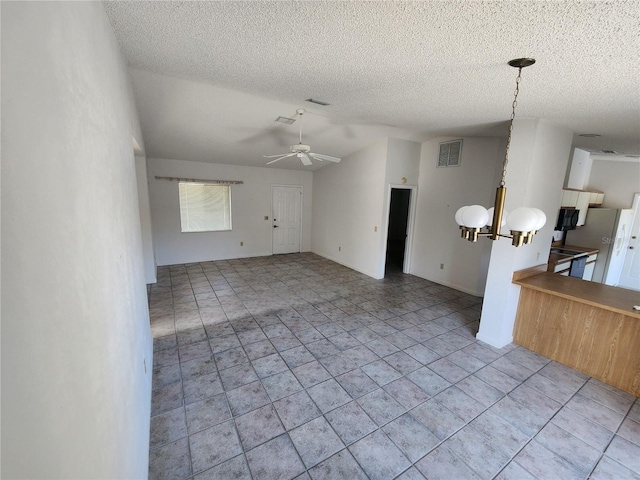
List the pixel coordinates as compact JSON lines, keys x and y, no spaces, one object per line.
{"x":204,"y":207}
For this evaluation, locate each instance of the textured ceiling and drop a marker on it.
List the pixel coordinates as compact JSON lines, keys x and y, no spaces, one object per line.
{"x":211,"y":77}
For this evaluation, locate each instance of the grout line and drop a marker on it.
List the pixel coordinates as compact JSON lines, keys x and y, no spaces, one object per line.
{"x":367,"y":294}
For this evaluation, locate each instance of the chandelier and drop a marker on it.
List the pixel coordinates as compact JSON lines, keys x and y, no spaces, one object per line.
{"x":523,"y":222}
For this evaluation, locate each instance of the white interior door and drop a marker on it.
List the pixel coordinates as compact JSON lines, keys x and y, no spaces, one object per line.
{"x":630,"y":277}
{"x":618,"y":249}
{"x":287,"y":219}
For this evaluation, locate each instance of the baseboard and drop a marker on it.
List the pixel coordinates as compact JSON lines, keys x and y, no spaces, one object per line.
{"x":494,"y":342}
{"x":346,"y":264}
{"x":248,"y":255}
{"x":460,"y":288}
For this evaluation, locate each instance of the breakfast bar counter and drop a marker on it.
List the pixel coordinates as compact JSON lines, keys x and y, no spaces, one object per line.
{"x":587,"y":326}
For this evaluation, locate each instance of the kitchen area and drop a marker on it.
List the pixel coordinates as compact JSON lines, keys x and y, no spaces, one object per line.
{"x":593,"y":249}
{"x":591,"y":240}
{"x":582,"y":308}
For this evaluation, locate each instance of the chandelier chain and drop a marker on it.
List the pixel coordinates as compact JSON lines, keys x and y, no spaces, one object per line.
{"x":513,"y":115}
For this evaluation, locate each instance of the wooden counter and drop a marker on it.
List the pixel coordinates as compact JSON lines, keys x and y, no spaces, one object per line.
{"x":587,"y":326}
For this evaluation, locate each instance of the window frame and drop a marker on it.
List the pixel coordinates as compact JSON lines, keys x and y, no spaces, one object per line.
{"x":225,"y":209}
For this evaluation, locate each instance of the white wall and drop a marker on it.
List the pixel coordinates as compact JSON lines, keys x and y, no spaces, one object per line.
{"x":75,"y":330}
{"x":250,"y":203}
{"x":149,"y":259}
{"x":442,"y":191}
{"x":618,"y":180}
{"x":403,"y":162}
{"x":538,"y":158}
{"x":348,"y":198}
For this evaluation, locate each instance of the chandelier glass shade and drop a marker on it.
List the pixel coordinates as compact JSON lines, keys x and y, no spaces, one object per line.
{"x":523,"y":222}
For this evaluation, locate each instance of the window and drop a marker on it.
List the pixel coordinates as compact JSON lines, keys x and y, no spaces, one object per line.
{"x":205,"y":207}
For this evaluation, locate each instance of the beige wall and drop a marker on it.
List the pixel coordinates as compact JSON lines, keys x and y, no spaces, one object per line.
{"x":250,"y":203}
{"x":348,"y":199}
{"x":618,"y":180}
{"x":441,"y":192}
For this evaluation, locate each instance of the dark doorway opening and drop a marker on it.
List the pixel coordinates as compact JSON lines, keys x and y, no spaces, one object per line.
{"x":397,"y":231}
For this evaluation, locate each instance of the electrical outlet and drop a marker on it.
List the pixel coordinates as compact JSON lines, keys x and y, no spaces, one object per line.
{"x":242,"y":244}
{"x":442,"y":266}
{"x":339,"y":249}
{"x":375,"y":229}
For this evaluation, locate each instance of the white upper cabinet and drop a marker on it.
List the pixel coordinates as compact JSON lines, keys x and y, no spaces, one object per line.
{"x":581,"y":200}
{"x":582,"y":206}
{"x":570,"y":198}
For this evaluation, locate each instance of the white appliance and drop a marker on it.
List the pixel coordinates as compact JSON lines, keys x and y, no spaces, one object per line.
{"x":608,"y":230}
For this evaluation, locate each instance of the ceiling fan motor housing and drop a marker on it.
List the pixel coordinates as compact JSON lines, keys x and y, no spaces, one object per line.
{"x":300,"y":148}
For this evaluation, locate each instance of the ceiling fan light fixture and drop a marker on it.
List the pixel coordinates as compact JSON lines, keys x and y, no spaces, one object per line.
{"x":300,"y":148}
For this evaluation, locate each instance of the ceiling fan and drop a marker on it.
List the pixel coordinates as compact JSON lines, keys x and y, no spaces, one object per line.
{"x":303,"y":152}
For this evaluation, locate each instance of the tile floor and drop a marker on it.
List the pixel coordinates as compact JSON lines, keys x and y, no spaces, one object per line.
{"x":293,"y":366}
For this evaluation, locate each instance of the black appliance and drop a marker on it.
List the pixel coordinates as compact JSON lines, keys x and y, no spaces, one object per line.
{"x":567,"y":219}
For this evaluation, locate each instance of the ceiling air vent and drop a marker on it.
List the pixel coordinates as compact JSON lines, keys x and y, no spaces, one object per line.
{"x":286,"y":120}
{"x":450,"y":154}
{"x":317,"y":102}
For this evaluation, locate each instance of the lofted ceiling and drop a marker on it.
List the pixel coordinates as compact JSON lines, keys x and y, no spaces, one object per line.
{"x":210,"y":78}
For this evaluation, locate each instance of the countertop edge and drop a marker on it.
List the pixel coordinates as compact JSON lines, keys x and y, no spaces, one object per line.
{"x":594,"y":294}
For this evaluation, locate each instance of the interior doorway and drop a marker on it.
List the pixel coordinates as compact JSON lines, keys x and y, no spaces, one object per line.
{"x":399,"y":206}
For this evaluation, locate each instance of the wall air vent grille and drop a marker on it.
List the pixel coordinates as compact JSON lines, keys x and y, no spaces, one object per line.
{"x":450,"y":154}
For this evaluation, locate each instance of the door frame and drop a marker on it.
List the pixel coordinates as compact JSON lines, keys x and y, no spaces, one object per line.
{"x":411,"y":217}
{"x":274,"y":185}
{"x":636,"y":217}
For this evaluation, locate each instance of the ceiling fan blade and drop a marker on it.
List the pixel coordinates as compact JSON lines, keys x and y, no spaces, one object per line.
{"x":304,"y":159}
{"x":328,"y":158}
{"x":274,"y":156}
{"x":280,"y":158}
